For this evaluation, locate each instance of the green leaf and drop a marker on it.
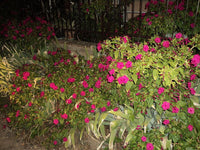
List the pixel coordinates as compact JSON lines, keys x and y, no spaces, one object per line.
{"x":155,"y":74}
{"x":182,"y":115}
{"x":102,"y":130}
{"x":128,"y":85}
{"x":119,"y":113}
{"x":116,"y":54}
{"x":181,"y":103}
{"x":122,"y":130}
{"x":162,"y":129}
{"x":112,"y":138}
{"x":135,"y":78}
{"x":102,"y":118}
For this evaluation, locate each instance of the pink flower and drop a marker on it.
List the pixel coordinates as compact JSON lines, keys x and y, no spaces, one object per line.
{"x":138,"y":57}
{"x":191,"y":110}
{"x":111,"y":72}
{"x":70,"y":80}
{"x":149,"y":23}
{"x":138,"y":74}
{"x":30,"y":104}
{"x":64,"y":116}
{"x":64,"y":139}
{"x":192,"y":91}
{"x":110,"y":78}
{"x":99,"y":46}
{"x":17,"y":113}
{"x":192,"y":25}
{"x":120,"y":65}
{"x":145,"y":48}
{"x":123,"y":80}
{"x":195,"y":60}
{"x":18,"y":89}
{"x":161,"y":90}
{"x":53,"y":86}
{"x":175,"y":110}
{"x":140,"y":86}
{"x":55,"y":142}
{"x":87,"y":77}
{"x":149,"y":146}
{"x":192,"y":77}
{"x":8,"y":119}
{"x":165,"y":105}
{"x":74,"y":96}
{"x":42,"y":94}
{"x":191,"y":14}
{"x":14,"y":37}
{"x":125,"y":40}
{"x":82,"y":93}
{"x":166,"y":44}
{"x":62,"y":90}
{"x":157,"y":40}
{"x":189,"y":85}
{"x":143,"y":138}
{"x":190,"y":127}
{"x":29,"y":85}
{"x":93,"y":106}
{"x":55,"y":121}
{"x":98,"y":84}
{"x":128,"y":64}
{"x":34,"y":57}
{"x":115,"y":109}
{"x":178,"y":35}
{"x":87,"y":120}
{"x":85,"y":84}
{"x":108,"y":103}
{"x":68,"y":101}
{"x":169,"y":11}
{"x":166,"y":122}
{"x":91,"y":90}
{"x":103,"y":109}
{"x":48,"y":37}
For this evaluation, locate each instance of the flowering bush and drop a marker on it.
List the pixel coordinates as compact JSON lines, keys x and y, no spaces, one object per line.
{"x":158,"y":76}
{"x":27,"y":34}
{"x":183,"y":17}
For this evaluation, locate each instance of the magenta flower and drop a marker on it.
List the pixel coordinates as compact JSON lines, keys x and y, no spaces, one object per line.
{"x":178,"y":35}
{"x":145,"y":48}
{"x":85,"y":84}
{"x":68,"y":101}
{"x":166,"y":44}
{"x":191,"y":14}
{"x":108,"y":103}
{"x":143,"y":138}
{"x":111,"y":72}
{"x":30,"y":104}
{"x":138,"y":74}
{"x":70,"y":80}
{"x":87,"y":120}
{"x":42,"y":94}
{"x":125,"y":40}
{"x":103,"y":109}
{"x":161,"y":90}
{"x":192,"y":91}
{"x":55,"y":142}
{"x":120,"y":65}
{"x":189,"y":85}
{"x":157,"y":40}
{"x":175,"y":110}
{"x":190,"y":127}
{"x":74,"y":96}
{"x":128,"y":64}
{"x":18,"y":89}
{"x":123,"y":80}
{"x":91,"y":90}
{"x":17,"y":113}
{"x":98,"y":84}
{"x":99,"y":46}
{"x":62,"y":90}
{"x":195,"y":60}
{"x":192,"y":25}
{"x":138,"y":57}
{"x":55,"y":121}
{"x":82,"y":93}
{"x":192,"y":77}
{"x":64,"y":116}
{"x":166,"y":122}
{"x":140,"y":86}
{"x":29,"y":85}
{"x":93,"y":106}
{"x":64,"y":139}
{"x":165,"y":105}
{"x":115,"y":109}
{"x":149,"y":146}
{"x":150,"y":23}
{"x":191,"y":110}
{"x":110,"y":79}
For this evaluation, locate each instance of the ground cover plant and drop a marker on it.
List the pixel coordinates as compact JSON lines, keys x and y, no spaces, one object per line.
{"x":141,"y":90}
